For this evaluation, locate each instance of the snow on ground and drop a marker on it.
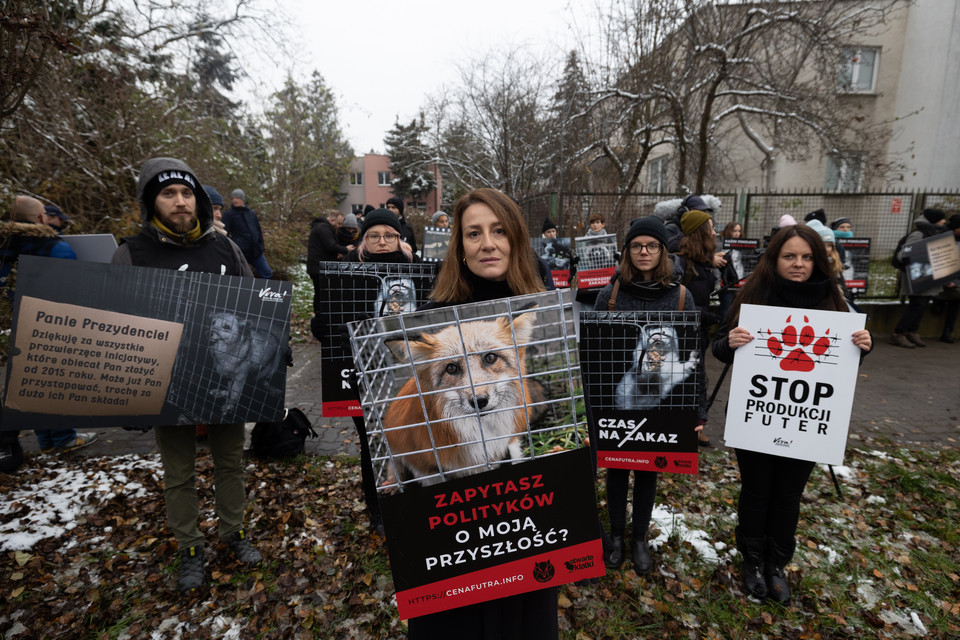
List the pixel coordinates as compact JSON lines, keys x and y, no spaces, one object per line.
{"x":48,"y":507}
{"x":673,"y":523}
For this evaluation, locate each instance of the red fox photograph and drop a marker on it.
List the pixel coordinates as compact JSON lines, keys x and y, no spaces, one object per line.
{"x":466,"y":403}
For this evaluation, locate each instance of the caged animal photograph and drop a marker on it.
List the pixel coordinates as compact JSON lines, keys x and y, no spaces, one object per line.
{"x":466,"y":404}
{"x":657,"y":369}
{"x":241,"y":354}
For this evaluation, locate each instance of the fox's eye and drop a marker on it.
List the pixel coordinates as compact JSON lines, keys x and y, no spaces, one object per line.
{"x":453,"y":369}
{"x":489,"y":358}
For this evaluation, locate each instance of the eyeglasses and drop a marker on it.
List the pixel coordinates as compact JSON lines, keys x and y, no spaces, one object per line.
{"x":388,"y":238}
{"x":653,"y":248}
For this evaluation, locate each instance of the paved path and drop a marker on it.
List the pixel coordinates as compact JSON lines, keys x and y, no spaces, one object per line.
{"x":910,"y":396}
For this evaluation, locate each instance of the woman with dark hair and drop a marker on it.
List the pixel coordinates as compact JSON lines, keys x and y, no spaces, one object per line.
{"x":380,"y":242}
{"x":793,"y":272}
{"x":645,"y":283}
{"x":697,"y":260}
{"x":489,"y":257}
{"x":729,"y":276}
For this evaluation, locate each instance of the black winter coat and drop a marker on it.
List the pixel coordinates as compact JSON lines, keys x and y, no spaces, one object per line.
{"x":243,"y":227}
{"x":322,"y":245}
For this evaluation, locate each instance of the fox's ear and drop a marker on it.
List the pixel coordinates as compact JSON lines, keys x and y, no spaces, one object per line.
{"x":522,"y":327}
{"x":420,"y":345}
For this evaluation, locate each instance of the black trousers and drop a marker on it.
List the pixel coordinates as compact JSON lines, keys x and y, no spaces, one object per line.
{"x":770,"y":492}
{"x":910,"y":320}
{"x":644,"y":495}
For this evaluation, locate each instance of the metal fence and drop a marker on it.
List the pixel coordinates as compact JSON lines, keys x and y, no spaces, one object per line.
{"x":882,"y":217}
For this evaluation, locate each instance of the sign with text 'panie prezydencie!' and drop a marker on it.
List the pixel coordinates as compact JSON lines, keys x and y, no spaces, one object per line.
{"x":792,"y":386}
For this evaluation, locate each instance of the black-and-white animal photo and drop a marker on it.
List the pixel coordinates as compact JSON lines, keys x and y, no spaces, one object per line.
{"x":241,"y":353}
{"x":397,"y":295}
{"x":657,"y":369}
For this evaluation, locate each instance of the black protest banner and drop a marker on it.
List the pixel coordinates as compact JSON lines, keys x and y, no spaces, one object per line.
{"x":98,"y":345}
{"x":856,"y":264}
{"x":351,"y":291}
{"x":641,"y":377}
{"x":557,"y":255}
{"x":742,"y":255}
{"x":933,"y":261}
{"x":476,"y":436}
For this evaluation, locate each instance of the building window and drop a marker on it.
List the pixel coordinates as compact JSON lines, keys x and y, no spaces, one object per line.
{"x":659,"y":169}
{"x":356,"y":178}
{"x":844,"y":172}
{"x":356,"y":209}
{"x":858,"y":70}
{"x":383,"y":178}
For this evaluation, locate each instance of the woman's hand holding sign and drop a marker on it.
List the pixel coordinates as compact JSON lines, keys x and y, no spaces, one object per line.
{"x":739,"y":337}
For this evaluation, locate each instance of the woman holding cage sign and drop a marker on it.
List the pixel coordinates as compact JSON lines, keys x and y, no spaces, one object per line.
{"x":645,"y":283}
{"x":379,"y":242}
{"x":489,"y":257}
{"x":793,"y":272}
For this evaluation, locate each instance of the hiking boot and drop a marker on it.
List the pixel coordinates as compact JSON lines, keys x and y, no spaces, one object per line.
{"x":702,"y":439}
{"x":640,"y":554}
{"x":947,"y":338}
{"x":613,"y":556}
{"x":191,"y":570}
{"x":753,"y":579}
{"x":900,"y":340}
{"x":777,"y":558}
{"x":914,"y":337}
{"x":242,"y":551}
{"x":81,"y":441}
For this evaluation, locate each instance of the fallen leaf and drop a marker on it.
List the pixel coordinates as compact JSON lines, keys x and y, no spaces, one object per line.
{"x":22,"y":558}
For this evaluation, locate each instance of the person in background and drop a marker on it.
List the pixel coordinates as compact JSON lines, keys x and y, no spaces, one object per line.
{"x":695,"y":261}
{"x":396,"y":205}
{"x":549,"y":230}
{"x":645,"y":282}
{"x":349,"y":231}
{"x":729,"y":276}
{"x":489,"y":257}
{"x":597,"y":227}
{"x":819,"y":215}
{"x":243,"y":227}
{"x":322,"y":246}
{"x":672,"y":224}
{"x":177,"y":233}
{"x":216,"y":200}
{"x":930,"y":223}
{"x":833,"y":257}
{"x":441,"y":220}
{"x":793,"y":272}
{"x":27,"y":235}
{"x":52,"y":216}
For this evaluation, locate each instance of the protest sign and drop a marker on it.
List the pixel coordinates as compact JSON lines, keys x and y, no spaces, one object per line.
{"x":435,"y":243}
{"x":792,"y":387}
{"x":350,"y":291}
{"x":742,"y":256}
{"x":476,"y":440}
{"x":933,"y":261}
{"x":641,"y":377}
{"x":856,"y":264}
{"x":597,"y":261}
{"x":100,"y":345}
{"x":557,"y":255}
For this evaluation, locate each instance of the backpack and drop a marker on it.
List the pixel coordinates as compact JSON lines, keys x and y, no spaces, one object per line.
{"x":283,"y":439}
{"x":895,"y":259}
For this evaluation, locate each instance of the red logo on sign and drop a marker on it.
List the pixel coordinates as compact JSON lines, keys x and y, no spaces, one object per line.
{"x":791,"y":347}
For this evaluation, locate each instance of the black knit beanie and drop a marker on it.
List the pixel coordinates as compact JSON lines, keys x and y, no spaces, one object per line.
{"x":397,"y":202}
{"x":934,"y":215}
{"x":649,"y":226}
{"x":819,"y":214}
{"x":380,"y":216}
{"x":165,"y":178}
{"x":547,"y":225}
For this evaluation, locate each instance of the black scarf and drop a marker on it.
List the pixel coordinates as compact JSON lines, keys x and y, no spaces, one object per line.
{"x":394,"y":257}
{"x":811,"y":294}
{"x":484,"y":289}
{"x":647,"y":289}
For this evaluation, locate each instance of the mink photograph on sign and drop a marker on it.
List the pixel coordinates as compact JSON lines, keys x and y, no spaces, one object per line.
{"x":351,"y":291}
{"x":741,"y":255}
{"x":792,"y":386}
{"x":143,"y":347}
{"x":435,"y":242}
{"x":856,"y":264}
{"x":475,"y":426}
{"x":641,"y":381}
{"x":557,"y":255}
{"x":933,"y":261}
{"x":597,"y":260}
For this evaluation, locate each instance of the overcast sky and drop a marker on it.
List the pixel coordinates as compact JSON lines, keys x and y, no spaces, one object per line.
{"x":383,"y":58}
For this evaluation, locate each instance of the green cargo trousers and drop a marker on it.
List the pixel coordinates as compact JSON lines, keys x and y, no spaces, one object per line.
{"x":178,"y":453}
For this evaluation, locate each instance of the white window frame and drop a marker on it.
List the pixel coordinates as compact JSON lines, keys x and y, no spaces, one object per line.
{"x":844,"y":172}
{"x":852,"y":67}
{"x":383,"y":181}
{"x":357,"y":209}
{"x":659,"y":173}
{"x":356,"y":179}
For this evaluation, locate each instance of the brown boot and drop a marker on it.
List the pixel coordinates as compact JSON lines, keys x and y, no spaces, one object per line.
{"x":900,"y":340}
{"x":914,"y":337}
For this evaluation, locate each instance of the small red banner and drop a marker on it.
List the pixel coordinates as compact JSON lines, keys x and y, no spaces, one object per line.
{"x":342,"y":409}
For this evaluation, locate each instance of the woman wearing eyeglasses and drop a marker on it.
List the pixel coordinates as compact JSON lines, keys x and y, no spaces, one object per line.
{"x":380,"y":240}
{"x":645,"y":282}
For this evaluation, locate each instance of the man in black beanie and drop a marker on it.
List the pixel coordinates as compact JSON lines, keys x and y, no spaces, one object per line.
{"x":396,"y":205}
{"x":177,"y":233}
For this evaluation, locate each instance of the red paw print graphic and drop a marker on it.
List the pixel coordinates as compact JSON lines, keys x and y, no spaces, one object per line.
{"x":797,"y":358}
